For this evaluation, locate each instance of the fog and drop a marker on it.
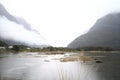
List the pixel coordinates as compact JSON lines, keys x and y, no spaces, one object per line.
{"x":61,"y":21}
{"x":10,"y":30}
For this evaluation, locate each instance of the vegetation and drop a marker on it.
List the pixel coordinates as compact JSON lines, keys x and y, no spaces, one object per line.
{"x":76,"y":58}
{"x":22,"y":48}
{"x":2,"y":43}
{"x":98,"y":48}
{"x":68,"y":73}
{"x":50,"y":49}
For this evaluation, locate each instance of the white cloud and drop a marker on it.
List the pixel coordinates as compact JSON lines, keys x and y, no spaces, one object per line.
{"x":12,"y":31}
{"x":61,"y":21}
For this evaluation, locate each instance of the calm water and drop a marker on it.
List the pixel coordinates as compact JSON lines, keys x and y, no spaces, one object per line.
{"x":33,"y":66}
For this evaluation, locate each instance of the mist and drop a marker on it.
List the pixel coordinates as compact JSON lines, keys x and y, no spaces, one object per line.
{"x":10,"y":30}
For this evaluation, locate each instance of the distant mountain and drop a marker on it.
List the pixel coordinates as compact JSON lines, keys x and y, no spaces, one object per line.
{"x":18,"y":22}
{"x":105,"y":33}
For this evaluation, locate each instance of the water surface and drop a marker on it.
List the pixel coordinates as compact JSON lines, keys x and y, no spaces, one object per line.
{"x":34,"y":66}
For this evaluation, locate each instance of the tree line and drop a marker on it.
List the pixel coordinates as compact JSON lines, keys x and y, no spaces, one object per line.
{"x":22,"y":48}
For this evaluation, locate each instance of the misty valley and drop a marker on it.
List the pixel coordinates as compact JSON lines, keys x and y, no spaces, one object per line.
{"x":26,"y":55}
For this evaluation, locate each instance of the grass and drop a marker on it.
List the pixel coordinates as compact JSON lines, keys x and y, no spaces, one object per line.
{"x":54,"y":52}
{"x":1,"y":78}
{"x":80,"y":59}
{"x":76,"y":58}
{"x":63,"y":74}
{"x":69,"y":74}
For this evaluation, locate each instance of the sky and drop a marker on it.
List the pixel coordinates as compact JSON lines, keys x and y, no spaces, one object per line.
{"x":61,"y":21}
{"x":10,"y":30}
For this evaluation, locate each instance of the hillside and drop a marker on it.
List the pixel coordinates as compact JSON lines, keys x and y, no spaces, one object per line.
{"x":15,"y":30}
{"x":105,"y":33}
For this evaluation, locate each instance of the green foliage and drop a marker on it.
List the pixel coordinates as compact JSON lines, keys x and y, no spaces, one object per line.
{"x":22,"y":48}
{"x":3,"y":43}
{"x":97,"y":48}
{"x":57,"y":49}
{"x":16,"y":48}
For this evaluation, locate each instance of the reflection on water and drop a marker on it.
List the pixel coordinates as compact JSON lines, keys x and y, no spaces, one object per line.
{"x":26,"y":66}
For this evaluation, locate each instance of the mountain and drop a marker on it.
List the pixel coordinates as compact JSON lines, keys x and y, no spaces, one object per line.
{"x":15,"y":30}
{"x":15,"y":19}
{"x":105,"y":33}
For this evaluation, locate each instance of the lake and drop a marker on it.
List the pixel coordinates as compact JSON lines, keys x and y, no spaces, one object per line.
{"x":68,"y":66}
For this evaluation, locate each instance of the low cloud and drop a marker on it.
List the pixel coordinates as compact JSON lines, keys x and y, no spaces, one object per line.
{"x":10,"y":30}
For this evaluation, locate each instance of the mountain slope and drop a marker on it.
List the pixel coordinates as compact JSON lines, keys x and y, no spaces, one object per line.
{"x":104,"y":33}
{"x":17,"y":31}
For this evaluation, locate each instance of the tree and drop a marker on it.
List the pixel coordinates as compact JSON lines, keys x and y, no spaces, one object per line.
{"x":16,"y":48}
{"x":3,"y":43}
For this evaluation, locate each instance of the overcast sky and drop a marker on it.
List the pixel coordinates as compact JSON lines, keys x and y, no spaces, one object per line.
{"x":61,"y":21}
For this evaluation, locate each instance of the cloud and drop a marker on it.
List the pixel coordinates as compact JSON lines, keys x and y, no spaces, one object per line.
{"x":10,"y":30}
